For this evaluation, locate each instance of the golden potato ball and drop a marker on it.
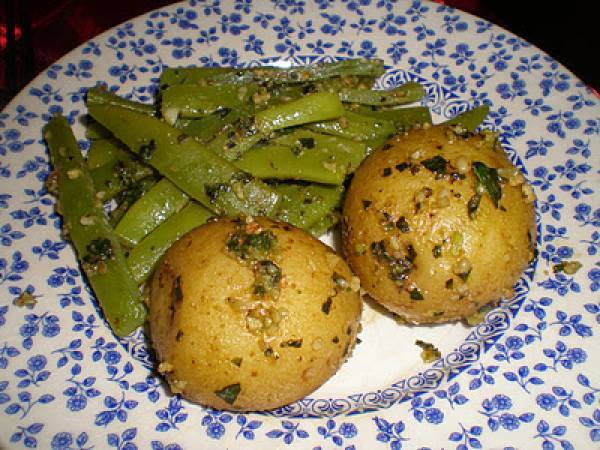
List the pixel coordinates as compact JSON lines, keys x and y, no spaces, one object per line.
{"x":425,"y":231}
{"x":237,"y":327}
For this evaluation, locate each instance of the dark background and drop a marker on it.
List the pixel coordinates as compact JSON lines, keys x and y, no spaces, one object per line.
{"x":565,"y":30}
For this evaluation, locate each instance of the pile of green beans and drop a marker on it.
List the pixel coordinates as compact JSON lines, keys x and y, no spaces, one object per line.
{"x":218,"y":142}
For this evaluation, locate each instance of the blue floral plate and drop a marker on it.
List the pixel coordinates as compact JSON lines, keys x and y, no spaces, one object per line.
{"x":527,"y":377}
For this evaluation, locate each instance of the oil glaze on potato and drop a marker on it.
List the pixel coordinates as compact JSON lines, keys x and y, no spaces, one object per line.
{"x":438,"y":225}
{"x":251,"y":315}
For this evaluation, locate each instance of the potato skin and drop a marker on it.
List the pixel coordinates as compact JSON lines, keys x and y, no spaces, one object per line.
{"x":497,"y":243}
{"x":202,"y":340}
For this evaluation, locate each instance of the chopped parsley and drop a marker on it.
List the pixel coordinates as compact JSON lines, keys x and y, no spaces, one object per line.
{"x":473,"y":205}
{"x":98,"y":250}
{"x":489,"y":179}
{"x":568,"y":267}
{"x":147,"y":149}
{"x":326,"y":306}
{"x":295,"y":343}
{"x":415,"y":294}
{"x":251,"y":246}
{"x":437,"y":251}
{"x":429,"y":352}
{"x":229,"y":393}
{"x":437,"y":165}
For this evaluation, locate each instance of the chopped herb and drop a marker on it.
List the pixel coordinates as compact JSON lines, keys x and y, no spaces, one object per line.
{"x":237,"y":361}
{"x":387,"y":172}
{"x":295,"y":343}
{"x":411,"y":253}
{"x":473,"y":205}
{"x":449,"y":283}
{"x":465,"y":275}
{"x":267,"y":276}
{"x":402,"y":225}
{"x":98,"y":250}
{"x":366,"y":204}
{"x":488,"y":177}
{"x":147,"y":149}
{"x":437,"y":165}
{"x":212,"y":191}
{"x":25,"y":299}
{"x":335,"y":340}
{"x":429,"y":352}
{"x":307,"y":142}
{"x":251,"y":246}
{"x":402,"y":166}
{"x":229,"y":393}
{"x":360,"y":249}
{"x":437,"y":251}
{"x":415,"y":294}
{"x":177,"y":292}
{"x":326,"y":306}
{"x":179,"y":335}
{"x":568,"y":267}
{"x":340,"y":281}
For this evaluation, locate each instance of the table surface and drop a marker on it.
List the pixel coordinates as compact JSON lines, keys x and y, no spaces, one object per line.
{"x":565,"y":33}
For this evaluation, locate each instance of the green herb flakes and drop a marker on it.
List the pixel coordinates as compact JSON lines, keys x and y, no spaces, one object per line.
{"x":229,"y":393}
{"x":294,"y":343}
{"x":415,"y":294}
{"x":437,"y":165}
{"x":437,"y":251}
{"x":489,"y":179}
{"x":473,"y":205}
{"x":326,"y":306}
{"x":567,"y":267}
{"x":429,"y":352}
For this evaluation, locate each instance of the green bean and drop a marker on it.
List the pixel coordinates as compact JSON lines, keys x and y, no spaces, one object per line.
{"x":305,"y":205}
{"x":190,"y":101}
{"x":356,"y":127}
{"x":118,"y":175}
{"x":216,"y":124}
{"x":189,"y":165}
{"x":156,"y":206}
{"x":302,"y":74}
{"x":470,"y":119}
{"x":403,"y":118}
{"x":99,"y":96}
{"x":94,"y":131}
{"x":324,"y":224}
{"x":86,"y":224}
{"x":407,"y":93}
{"x":128,"y":197}
{"x":327,"y":165}
{"x":101,"y":152}
{"x":143,"y":257}
{"x":311,"y":108}
{"x":172,"y":76}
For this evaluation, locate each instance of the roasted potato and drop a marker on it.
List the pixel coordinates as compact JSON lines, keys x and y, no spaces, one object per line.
{"x":438,"y":224}
{"x":251,"y":314}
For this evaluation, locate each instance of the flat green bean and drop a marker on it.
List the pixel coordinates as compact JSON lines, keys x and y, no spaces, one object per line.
{"x":94,"y":240}
{"x":471,"y":118}
{"x":100,"y":96}
{"x":306,"y":205}
{"x":403,"y":118}
{"x":302,"y":74}
{"x":189,"y":101}
{"x":327,"y":165}
{"x":104,"y":151}
{"x":406,"y":93}
{"x":356,"y":127}
{"x":190,"y":165}
{"x":158,"y":204}
{"x":311,"y":108}
{"x":144,"y":257}
{"x":128,"y":197}
{"x":117,"y":176}
{"x":214,"y":125}
{"x":172,"y":76}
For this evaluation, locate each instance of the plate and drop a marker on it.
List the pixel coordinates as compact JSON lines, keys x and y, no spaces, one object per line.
{"x":526,"y":377}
